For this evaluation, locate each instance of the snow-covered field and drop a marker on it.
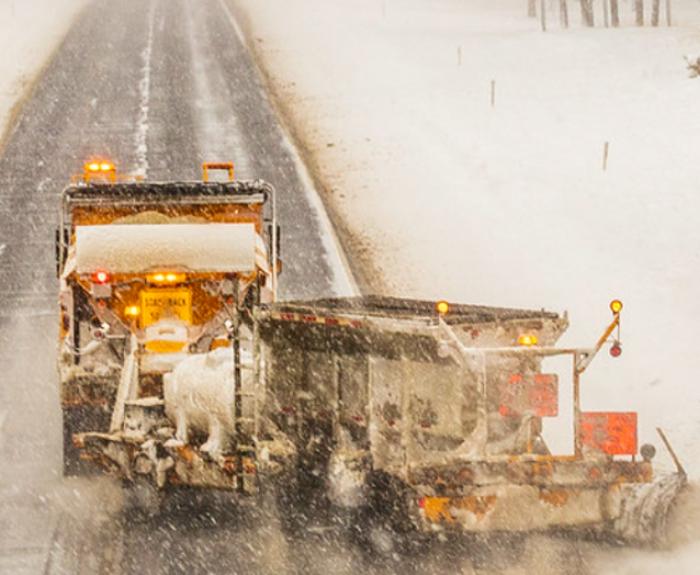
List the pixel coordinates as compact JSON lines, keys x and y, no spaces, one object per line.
{"x":450,"y":197}
{"x":509,"y":205}
{"x":31,"y":30}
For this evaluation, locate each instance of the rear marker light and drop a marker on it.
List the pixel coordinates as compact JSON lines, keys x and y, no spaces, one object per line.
{"x":616,"y":349}
{"x":100,"y":277}
{"x":527,"y":340}
{"x":132,"y":311}
{"x":166,"y":278}
{"x":442,"y":307}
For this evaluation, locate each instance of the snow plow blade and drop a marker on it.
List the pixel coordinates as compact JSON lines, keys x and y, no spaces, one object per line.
{"x":645,"y":510}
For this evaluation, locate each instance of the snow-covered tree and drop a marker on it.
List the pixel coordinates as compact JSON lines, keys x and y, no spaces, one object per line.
{"x":532,"y":8}
{"x":587,"y":12}
{"x":639,"y":12}
{"x":614,"y":13}
{"x":655,"y":7}
{"x":693,"y":66}
{"x":564,"y":13}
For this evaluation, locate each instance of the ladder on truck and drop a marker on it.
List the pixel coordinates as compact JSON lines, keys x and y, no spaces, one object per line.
{"x":245,"y":406}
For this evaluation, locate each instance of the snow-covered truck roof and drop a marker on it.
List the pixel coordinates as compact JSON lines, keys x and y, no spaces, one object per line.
{"x":133,"y":227}
{"x":403,"y":308}
{"x":396,"y":325}
{"x":127,"y":248}
{"x":248,"y":192}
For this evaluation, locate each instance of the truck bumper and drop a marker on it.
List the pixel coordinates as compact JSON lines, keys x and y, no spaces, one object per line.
{"x":519,"y":508}
{"x":520,"y":496}
{"x":167,"y":466}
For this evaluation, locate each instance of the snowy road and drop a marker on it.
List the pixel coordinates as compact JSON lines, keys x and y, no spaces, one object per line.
{"x":159,"y":86}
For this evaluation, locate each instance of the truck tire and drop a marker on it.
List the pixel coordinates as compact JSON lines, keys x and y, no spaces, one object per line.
{"x":383,"y":527}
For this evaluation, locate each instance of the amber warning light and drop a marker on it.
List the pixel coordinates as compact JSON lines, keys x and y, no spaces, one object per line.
{"x":442,"y":307}
{"x":166,"y":278}
{"x":99,"y":167}
{"x":616,"y":306}
{"x":527,"y":340}
{"x":99,"y":170}
{"x":132,"y":311}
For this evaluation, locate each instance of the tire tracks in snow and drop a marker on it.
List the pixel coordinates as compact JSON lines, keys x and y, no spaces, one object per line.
{"x":141,"y":138}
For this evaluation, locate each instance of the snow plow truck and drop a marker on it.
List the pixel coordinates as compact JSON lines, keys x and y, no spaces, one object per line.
{"x":180,"y":369}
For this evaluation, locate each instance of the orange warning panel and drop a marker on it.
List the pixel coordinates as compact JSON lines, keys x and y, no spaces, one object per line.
{"x":614,"y":433}
{"x":537,"y":394}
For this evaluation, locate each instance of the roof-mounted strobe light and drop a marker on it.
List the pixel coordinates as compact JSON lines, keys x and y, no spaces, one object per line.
{"x":442,"y":307}
{"x":100,"y":170}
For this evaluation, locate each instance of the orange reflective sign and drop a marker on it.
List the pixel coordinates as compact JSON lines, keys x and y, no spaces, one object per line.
{"x":537,"y":394}
{"x":613,"y":433}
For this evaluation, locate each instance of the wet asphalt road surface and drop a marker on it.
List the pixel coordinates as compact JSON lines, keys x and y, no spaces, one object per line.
{"x":158,"y":86}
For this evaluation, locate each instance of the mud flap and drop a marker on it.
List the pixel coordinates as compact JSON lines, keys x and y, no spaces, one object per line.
{"x":76,"y":419}
{"x":645,"y":509}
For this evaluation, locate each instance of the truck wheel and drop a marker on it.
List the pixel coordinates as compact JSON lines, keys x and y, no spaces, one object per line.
{"x":383,"y":526}
{"x":292,"y":511}
{"x":383,"y":541}
{"x":375,"y":537}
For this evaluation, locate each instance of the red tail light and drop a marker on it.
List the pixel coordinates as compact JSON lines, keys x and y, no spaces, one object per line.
{"x":100,"y":277}
{"x":616,"y":349}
